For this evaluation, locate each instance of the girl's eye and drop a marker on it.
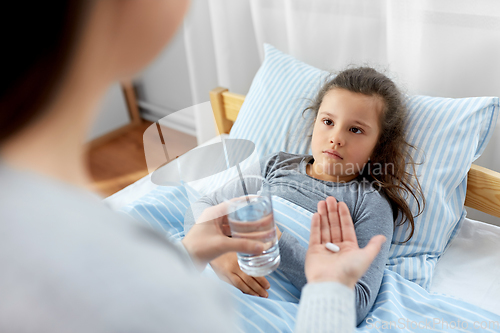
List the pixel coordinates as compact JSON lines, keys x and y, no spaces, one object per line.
{"x":327,"y":122}
{"x":356,"y":130}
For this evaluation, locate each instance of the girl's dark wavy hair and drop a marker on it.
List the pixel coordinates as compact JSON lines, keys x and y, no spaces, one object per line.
{"x":392,"y":148}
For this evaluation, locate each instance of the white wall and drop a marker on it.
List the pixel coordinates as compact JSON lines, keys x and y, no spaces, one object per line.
{"x":164,"y":87}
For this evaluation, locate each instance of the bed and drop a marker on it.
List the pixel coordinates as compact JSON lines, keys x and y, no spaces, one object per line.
{"x":450,"y":286}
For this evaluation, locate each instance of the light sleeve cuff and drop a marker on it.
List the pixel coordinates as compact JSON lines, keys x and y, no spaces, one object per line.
{"x":326,"y":307}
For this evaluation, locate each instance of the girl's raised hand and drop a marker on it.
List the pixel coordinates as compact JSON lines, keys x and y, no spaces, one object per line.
{"x":333,"y":223}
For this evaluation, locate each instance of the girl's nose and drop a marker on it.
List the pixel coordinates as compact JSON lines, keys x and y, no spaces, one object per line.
{"x":337,"y":139}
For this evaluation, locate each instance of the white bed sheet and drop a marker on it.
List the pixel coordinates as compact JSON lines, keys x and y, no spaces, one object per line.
{"x":468,"y":270}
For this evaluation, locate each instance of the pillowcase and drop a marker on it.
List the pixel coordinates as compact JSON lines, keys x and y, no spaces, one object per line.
{"x":450,"y":134}
{"x":271,"y":115}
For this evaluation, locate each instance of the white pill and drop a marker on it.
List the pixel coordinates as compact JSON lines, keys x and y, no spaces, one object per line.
{"x":332,"y":247}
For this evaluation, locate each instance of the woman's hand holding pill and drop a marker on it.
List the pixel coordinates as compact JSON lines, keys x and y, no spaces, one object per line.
{"x":333,"y":224}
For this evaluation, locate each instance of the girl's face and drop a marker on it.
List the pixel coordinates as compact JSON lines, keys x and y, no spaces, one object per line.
{"x":345,"y":133}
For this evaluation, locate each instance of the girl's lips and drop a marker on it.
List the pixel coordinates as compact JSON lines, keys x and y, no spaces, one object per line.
{"x":333,"y":154}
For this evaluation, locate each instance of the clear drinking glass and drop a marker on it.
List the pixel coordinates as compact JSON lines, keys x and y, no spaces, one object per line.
{"x":250,"y":216}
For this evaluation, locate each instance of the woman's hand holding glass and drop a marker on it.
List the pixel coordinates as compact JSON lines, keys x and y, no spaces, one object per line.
{"x":208,"y":238}
{"x":208,"y":241}
{"x":333,"y":223}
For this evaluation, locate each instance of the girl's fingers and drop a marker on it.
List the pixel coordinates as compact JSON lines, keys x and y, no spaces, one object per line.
{"x":315,"y":236}
{"x":263,"y":282}
{"x":348,"y":232}
{"x":333,"y":217}
{"x":239,"y":283}
{"x":325,"y":225}
{"x":254,"y":285}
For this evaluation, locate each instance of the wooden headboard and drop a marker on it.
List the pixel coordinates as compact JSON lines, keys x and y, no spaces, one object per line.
{"x":483,"y":185}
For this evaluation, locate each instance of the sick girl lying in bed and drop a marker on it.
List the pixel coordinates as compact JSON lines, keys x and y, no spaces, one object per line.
{"x":359,"y":157}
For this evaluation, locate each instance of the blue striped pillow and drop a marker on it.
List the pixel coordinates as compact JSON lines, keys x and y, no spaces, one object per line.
{"x":451,"y":133}
{"x":271,"y":115}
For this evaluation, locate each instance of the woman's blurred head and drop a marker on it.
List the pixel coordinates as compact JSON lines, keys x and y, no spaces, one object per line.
{"x":47,"y":44}
{"x":40,"y":38}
